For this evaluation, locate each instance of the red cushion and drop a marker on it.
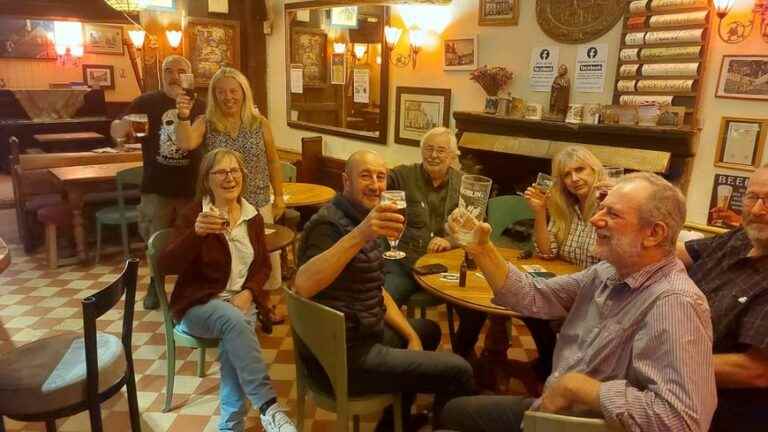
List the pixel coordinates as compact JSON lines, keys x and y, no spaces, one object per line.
{"x":55,"y":215}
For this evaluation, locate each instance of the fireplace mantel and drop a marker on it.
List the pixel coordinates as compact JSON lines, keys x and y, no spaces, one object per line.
{"x":677,"y":142}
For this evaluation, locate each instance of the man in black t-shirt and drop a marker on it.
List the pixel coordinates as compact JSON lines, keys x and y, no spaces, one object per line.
{"x":732,"y":271}
{"x":170,"y":174}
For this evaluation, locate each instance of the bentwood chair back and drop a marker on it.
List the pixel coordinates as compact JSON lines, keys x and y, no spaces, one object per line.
{"x":535,"y":421}
{"x":65,"y":374}
{"x":173,"y":336}
{"x":323,"y":332}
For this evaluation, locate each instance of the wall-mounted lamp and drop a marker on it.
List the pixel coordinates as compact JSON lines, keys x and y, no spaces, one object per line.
{"x":68,"y":41}
{"x":416,"y":40}
{"x":339,"y":47}
{"x":137,"y":38}
{"x":738,"y":31}
{"x":359,"y":50}
{"x":174,"y":38}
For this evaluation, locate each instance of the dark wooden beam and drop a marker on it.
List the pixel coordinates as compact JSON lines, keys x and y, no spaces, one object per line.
{"x":91,"y":10}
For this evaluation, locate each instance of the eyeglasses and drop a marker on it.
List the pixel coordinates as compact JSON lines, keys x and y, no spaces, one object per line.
{"x":751,"y":199}
{"x":222,"y":174}
{"x":441,"y":152}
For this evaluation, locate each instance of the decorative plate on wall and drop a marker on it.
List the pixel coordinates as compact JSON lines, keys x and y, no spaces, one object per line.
{"x":578,"y":21}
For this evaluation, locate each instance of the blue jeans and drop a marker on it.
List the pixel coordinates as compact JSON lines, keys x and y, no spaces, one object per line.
{"x":485,"y":413}
{"x":243,"y":371}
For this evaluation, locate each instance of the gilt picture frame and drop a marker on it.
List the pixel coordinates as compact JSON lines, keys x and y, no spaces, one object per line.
{"x":210,"y":44}
{"x":498,"y":12}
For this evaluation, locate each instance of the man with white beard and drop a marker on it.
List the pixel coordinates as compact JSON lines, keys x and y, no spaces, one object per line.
{"x":732,"y":271}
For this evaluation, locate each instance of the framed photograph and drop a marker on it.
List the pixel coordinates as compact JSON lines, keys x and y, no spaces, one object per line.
{"x":499,"y":12}
{"x":25,"y":38}
{"x":308,"y":47}
{"x":460,"y":53}
{"x":103,"y":39}
{"x":345,"y":16}
{"x":743,"y":77}
{"x":210,"y":44}
{"x":671,"y":116}
{"x":419,"y":109}
{"x":99,"y":76}
{"x":740,"y":143}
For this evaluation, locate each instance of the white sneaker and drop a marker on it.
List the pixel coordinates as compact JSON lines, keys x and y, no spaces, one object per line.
{"x":276,"y":420}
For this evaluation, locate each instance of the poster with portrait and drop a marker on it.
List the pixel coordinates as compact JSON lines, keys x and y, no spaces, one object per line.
{"x":544,"y":63}
{"x":25,"y":38}
{"x":591,"y":60}
{"x":725,"y":204}
{"x":338,"y":68}
{"x":419,"y":109}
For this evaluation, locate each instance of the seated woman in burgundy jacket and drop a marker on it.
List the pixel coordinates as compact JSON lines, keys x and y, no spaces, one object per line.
{"x":219,"y":253}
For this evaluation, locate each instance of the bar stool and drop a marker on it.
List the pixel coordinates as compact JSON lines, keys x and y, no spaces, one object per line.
{"x":52,"y":217}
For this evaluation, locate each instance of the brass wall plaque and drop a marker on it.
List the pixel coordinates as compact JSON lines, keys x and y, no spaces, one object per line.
{"x":578,"y":21}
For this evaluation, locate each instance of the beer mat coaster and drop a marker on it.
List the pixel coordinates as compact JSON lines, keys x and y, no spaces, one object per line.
{"x":449,"y":277}
{"x":104,"y":150}
{"x":533,"y":268}
{"x":268,"y":231}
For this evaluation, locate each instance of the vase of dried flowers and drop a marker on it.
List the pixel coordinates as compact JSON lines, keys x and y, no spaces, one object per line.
{"x":492,"y":80}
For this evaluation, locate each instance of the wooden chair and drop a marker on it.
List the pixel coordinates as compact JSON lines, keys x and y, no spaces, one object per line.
{"x":505,"y":210}
{"x":63,"y":375}
{"x":173,"y":336}
{"x":534,"y":421}
{"x":120,"y":214}
{"x":323,"y":331}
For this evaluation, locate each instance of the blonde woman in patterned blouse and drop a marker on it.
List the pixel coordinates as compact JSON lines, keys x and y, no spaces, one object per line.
{"x":569,"y":205}
{"x":232,"y":121}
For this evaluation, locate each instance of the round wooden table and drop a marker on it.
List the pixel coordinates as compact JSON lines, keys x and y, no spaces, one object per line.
{"x":493,"y":368}
{"x":5,"y":256}
{"x":278,"y":237}
{"x":306,"y":194}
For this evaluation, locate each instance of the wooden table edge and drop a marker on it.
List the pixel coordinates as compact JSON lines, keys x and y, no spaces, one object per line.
{"x":500,"y":311}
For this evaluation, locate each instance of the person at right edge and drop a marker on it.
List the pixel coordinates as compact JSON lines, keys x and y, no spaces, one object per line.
{"x":170,"y":173}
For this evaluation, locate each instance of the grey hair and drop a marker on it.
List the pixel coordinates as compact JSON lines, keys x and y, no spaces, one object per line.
{"x":441,"y":131}
{"x":665,"y":204}
{"x":176,"y":57}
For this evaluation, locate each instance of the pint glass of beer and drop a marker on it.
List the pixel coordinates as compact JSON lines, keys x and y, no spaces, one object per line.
{"x":473,"y":199}
{"x":139,"y":124}
{"x":396,"y":197}
{"x":188,"y":84}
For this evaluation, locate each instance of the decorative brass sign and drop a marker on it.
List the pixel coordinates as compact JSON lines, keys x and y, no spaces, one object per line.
{"x":578,"y":21}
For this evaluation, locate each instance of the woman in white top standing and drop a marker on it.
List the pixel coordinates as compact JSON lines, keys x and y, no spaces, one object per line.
{"x":232,"y":121}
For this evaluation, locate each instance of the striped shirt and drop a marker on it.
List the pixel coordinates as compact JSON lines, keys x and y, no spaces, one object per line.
{"x":647,"y":338}
{"x":579,"y":244}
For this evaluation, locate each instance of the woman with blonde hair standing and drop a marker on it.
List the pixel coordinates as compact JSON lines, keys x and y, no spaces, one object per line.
{"x":232,"y":121}
{"x":569,"y":205}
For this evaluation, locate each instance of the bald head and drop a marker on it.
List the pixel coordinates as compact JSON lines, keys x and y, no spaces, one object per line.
{"x":365,"y":178}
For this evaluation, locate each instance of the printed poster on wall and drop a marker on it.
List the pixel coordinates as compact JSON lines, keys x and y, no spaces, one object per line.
{"x":725,"y":203}
{"x":361,"y":79}
{"x":297,"y":78}
{"x":591,"y":61}
{"x":544,"y":62}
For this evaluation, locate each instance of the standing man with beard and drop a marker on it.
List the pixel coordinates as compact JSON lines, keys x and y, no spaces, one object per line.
{"x":732,"y":271}
{"x":636,"y":344}
{"x":168,"y":182}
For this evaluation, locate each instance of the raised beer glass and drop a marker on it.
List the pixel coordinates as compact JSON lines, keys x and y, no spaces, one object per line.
{"x":139,"y":124}
{"x":612,"y":176}
{"x":473,"y":199}
{"x":188,"y":84}
{"x":398,"y":198}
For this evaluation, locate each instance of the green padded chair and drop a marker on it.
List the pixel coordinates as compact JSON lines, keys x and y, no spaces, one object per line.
{"x":289,"y":171}
{"x":120,"y":214}
{"x":505,"y":210}
{"x":323,"y":331}
{"x":173,"y":336}
{"x":534,"y":421}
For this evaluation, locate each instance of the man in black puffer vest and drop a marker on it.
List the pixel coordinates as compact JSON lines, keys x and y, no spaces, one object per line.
{"x":341,"y":267}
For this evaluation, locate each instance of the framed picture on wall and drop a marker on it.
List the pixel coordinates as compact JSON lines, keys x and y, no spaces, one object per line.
{"x":99,"y":76}
{"x":740,"y":143}
{"x":26,"y":38}
{"x":103,"y":39}
{"x":499,"y":12}
{"x":743,"y":77}
{"x":308,"y":48}
{"x":210,"y":44}
{"x":460,"y":53}
{"x":345,"y":16}
{"x":419,"y":109}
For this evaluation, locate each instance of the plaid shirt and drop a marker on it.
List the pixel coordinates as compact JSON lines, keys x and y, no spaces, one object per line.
{"x":737,"y":289}
{"x":579,"y":244}
{"x":647,"y":338}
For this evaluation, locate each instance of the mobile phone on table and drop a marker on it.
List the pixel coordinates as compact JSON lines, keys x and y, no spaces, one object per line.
{"x":430,"y":269}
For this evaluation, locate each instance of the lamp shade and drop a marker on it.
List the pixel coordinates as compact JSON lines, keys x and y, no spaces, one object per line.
{"x":174,"y":38}
{"x":722,"y":7}
{"x":137,"y":37}
{"x":127,"y":5}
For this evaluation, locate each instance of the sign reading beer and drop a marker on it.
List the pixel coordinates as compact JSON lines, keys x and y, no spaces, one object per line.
{"x":725,"y":204}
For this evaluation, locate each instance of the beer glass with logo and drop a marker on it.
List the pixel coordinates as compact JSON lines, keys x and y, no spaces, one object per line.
{"x":188,"y":85}
{"x":473,"y":199}
{"x":396,"y":197}
{"x":544,"y":182}
{"x":139,"y":124}
{"x":612,"y":175}
{"x":724,"y":193}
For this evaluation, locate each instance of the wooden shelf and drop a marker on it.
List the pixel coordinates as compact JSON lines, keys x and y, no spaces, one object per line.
{"x":653,"y":77}
{"x":653,"y":29}
{"x":655,"y":93}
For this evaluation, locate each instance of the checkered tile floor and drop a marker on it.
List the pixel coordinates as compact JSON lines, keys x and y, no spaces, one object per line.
{"x":36,"y":302}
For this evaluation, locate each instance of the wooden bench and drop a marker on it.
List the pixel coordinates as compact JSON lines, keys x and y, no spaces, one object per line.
{"x":34,"y":186}
{"x":70,"y":141}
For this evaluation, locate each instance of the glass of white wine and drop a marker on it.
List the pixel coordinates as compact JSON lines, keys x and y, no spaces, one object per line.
{"x":398,"y":198}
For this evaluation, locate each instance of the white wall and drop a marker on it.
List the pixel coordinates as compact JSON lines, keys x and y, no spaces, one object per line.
{"x":510,"y":47}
